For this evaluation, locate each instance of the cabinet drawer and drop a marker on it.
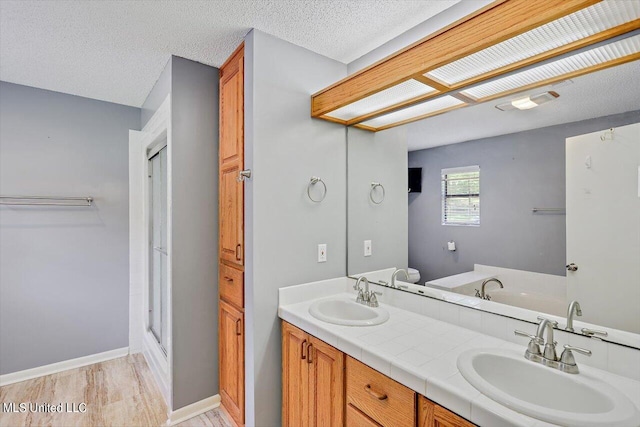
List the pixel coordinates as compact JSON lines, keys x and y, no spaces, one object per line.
{"x":379,"y":397}
{"x":231,"y":285}
{"x":355,"y":418}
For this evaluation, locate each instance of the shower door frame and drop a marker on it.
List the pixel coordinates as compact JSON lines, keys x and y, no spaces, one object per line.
{"x":141,"y":339}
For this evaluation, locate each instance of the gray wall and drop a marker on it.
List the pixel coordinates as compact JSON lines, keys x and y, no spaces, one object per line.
{"x":517,"y":172}
{"x":284,"y":147}
{"x":158,"y":94}
{"x":377,"y":157}
{"x":194,"y":174}
{"x":64,"y":272}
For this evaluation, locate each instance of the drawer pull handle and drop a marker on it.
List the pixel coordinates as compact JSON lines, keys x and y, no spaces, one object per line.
{"x":309,"y":353}
{"x":228,"y":279}
{"x":304,"y":349}
{"x":374,"y":393}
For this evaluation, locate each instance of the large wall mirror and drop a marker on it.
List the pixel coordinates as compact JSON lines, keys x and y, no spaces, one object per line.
{"x":546,"y":200}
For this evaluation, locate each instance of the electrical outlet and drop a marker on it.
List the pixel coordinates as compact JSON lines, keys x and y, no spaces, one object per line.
{"x":322,"y":252}
{"x":367,"y":248}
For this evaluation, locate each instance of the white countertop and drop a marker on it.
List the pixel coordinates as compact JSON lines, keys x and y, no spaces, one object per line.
{"x":421,"y":353}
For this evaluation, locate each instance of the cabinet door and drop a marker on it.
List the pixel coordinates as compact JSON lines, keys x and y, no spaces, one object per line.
{"x":231,"y":342}
{"x":231,"y":191}
{"x":295,"y":377}
{"x":232,"y":109}
{"x":433,"y":415}
{"x":326,"y":384}
{"x":231,"y":215}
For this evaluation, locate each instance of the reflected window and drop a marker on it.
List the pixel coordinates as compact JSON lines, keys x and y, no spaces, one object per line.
{"x":461,"y":196}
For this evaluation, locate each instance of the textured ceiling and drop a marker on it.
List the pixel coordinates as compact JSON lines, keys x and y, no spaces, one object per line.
{"x":115,"y":50}
{"x":611,"y":91}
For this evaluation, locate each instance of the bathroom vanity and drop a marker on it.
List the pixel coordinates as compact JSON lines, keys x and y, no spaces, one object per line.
{"x":410,"y":370}
{"x":324,"y":386}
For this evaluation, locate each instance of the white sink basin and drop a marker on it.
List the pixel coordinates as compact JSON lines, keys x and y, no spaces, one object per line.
{"x":342,"y":311}
{"x":546,"y":393}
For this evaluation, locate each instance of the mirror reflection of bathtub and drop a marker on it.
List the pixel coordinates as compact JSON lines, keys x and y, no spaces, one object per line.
{"x":530,"y":301}
{"x":516,"y":283}
{"x":545,"y":293}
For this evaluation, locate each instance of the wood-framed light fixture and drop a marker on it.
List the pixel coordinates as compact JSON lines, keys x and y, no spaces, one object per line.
{"x":446,"y":68}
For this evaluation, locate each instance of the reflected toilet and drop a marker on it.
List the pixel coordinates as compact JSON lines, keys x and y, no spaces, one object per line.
{"x":414,"y":275}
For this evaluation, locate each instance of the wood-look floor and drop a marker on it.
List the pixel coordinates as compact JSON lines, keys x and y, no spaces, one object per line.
{"x":119,"y":393}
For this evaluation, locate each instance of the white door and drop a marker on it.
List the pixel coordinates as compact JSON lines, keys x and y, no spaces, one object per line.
{"x":603,"y":226}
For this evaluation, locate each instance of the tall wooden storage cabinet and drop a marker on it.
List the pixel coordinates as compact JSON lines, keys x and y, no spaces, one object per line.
{"x":231,"y":235}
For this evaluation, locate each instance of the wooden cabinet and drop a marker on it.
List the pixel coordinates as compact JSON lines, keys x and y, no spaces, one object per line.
{"x":295,"y":377}
{"x":231,"y":285}
{"x":355,"y":418}
{"x":377,"y":396}
{"x":231,"y":342}
{"x":312,"y":380}
{"x":431,"y":414}
{"x":231,"y":214}
{"x":231,"y":236}
{"x":326,"y":384}
{"x":231,"y":159}
{"x":323,"y":387}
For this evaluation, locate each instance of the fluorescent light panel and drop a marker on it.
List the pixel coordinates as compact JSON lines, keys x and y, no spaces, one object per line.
{"x":427,"y":107}
{"x":576,"y":26}
{"x":557,"y":68}
{"x":383,"y":99}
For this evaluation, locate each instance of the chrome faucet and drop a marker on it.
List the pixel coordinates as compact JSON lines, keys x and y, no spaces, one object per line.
{"x":482,"y":293}
{"x":366,"y":296}
{"x":363,"y":296}
{"x":574,"y":307}
{"x":565,"y":363}
{"x":549,"y":353}
{"x":395,"y":275}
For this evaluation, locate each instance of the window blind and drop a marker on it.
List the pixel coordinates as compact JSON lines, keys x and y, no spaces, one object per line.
{"x":461,"y":196}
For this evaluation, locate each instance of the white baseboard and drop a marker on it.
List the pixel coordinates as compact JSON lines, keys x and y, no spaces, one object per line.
{"x":65,"y":365}
{"x":193,"y":410}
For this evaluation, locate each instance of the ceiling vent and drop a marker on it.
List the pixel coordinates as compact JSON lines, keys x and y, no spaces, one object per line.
{"x":528,"y":102}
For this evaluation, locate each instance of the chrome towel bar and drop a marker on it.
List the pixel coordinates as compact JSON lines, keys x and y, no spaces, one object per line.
{"x":45,"y":201}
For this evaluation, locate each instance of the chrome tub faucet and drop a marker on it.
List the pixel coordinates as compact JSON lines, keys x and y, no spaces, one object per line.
{"x":395,"y":275}
{"x":574,"y":307}
{"x":482,"y":293}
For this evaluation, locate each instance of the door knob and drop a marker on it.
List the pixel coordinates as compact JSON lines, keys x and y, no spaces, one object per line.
{"x":572,"y":267}
{"x":243,"y":175}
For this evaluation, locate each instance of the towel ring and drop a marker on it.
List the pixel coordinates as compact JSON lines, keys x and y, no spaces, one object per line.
{"x":313,"y":181}
{"x":373,"y":187}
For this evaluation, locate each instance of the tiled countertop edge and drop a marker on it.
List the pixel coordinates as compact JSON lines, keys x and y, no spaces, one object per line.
{"x":438,"y":379}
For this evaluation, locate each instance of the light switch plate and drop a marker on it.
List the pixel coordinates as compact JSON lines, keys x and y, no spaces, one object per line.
{"x":322,"y":252}
{"x":367,"y":248}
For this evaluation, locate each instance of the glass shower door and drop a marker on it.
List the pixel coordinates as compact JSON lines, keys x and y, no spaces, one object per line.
{"x":158,"y":289}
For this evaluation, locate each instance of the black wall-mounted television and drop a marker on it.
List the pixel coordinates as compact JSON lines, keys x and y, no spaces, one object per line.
{"x":415,"y":180}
